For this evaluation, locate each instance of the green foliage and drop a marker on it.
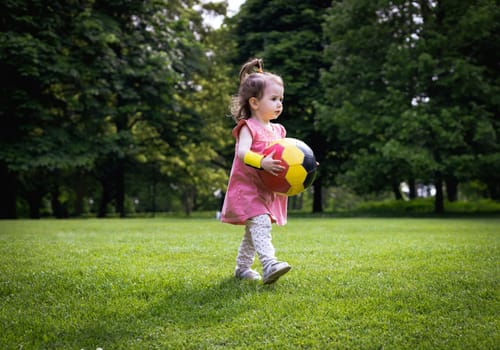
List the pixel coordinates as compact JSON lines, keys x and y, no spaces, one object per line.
{"x":97,"y":86}
{"x":355,"y":283}
{"x":101,"y":98}
{"x":288,"y":36}
{"x":426,"y":206}
{"x":408,"y":93}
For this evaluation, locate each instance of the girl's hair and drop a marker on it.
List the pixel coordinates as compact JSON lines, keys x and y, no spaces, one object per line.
{"x":253,"y":81}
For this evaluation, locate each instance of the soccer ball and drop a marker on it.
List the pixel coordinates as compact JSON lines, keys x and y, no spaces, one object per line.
{"x":299,"y":163}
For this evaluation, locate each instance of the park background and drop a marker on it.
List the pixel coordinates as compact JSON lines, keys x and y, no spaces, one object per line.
{"x":120,"y":108}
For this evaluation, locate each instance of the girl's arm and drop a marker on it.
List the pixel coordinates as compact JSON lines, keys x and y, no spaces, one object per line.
{"x":245,"y":143}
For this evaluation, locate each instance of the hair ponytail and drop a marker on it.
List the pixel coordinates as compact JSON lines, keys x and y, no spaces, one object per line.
{"x":254,"y":65}
{"x":252,"y":84}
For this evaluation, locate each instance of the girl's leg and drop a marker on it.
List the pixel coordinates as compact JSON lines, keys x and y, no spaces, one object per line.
{"x":245,"y":258}
{"x":260,"y":229}
{"x":246,"y":251}
{"x":258,"y":239}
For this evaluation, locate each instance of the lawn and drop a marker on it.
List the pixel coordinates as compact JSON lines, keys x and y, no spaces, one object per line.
{"x":166,"y":283}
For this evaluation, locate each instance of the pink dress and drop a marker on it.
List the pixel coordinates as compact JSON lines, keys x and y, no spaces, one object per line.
{"x":246,"y":195}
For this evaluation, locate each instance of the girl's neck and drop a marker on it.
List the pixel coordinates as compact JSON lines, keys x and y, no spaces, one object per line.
{"x":266,"y":123}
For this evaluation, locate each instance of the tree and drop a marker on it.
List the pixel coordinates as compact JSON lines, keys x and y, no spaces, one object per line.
{"x":397,"y":95}
{"x":192,"y":162}
{"x":40,"y":133}
{"x":156,"y":54}
{"x":201,"y":165}
{"x":288,"y":36}
{"x":82,"y":79}
{"x":462,"y":42}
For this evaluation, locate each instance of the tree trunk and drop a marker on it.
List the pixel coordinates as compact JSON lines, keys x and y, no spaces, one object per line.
{"x":439,"y":201}
{"x":58,"y":210}
{"x":8,"y":198}
{"x":80,"y":191}
{"x":106,"y":196}
{"x":119,"y":182}
{"x":318,"y":195}
{"x":153,"y":191}
{"x":452,"y":188}
{"x":113,"y":187}
{"x":35,"y":202}
{"x":494,"y":190}
{"x":413,"y":188}
{"x":188,"y":200}
{"x":397,"y":192}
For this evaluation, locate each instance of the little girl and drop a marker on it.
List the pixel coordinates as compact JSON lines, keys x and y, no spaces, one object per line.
{"x":247,"y":201}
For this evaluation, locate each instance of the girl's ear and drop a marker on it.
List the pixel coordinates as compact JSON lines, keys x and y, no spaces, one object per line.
{"x":254,"y":102}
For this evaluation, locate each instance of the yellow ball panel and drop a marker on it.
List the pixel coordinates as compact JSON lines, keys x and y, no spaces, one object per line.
{"x":296,"y":175}
{"x":292,"y":155}
{"x":295,"y":190}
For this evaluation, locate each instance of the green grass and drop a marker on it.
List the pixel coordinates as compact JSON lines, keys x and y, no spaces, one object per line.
{"x":167,"y":284}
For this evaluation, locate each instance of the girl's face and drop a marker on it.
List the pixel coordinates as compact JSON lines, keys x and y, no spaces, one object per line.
{"x":270,"y":106}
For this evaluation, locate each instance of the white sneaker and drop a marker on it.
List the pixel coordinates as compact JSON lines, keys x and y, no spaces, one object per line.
{"x":275,"y":271}
{"x":247,"y":274}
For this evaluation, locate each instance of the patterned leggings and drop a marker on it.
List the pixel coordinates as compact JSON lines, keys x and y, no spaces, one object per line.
{"x":257,"y":239}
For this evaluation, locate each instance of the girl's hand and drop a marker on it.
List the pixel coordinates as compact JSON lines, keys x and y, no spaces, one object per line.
{"x":271,"y":165}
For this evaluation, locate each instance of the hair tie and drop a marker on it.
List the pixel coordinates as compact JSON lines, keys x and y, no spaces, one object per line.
{"x":259,"y":66}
